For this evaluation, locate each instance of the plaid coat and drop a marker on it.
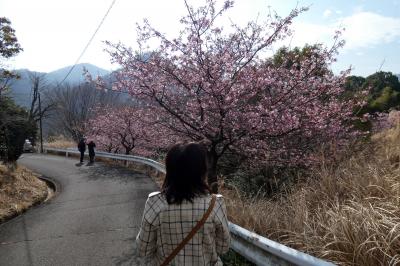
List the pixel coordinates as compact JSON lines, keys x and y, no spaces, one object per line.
{"x":164,"y":226}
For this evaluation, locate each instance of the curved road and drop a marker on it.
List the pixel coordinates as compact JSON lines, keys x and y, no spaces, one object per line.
{"x":93,"y":220}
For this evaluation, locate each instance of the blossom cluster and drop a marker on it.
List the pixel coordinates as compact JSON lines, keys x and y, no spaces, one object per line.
{"x":216,"y":87}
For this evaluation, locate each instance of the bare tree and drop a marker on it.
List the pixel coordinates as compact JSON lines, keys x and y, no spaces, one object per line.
{"x":75,"y":105}
{"x":39,"y":87}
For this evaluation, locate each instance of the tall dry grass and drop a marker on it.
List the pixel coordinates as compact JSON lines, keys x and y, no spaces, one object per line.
{"x":348,"y":213}
{"x":60,"y":142}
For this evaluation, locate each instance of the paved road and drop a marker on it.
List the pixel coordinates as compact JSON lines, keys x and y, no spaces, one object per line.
{"x":92,"y":221}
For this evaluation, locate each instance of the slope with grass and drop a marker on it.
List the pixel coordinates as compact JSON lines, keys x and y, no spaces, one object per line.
{"x":60,"y":142}
{"x":19,"y":190}
{"x":348,"y":213}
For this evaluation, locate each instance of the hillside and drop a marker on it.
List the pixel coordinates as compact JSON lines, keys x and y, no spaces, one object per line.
{"x":20,"y":89}
{"x":348,"y":213}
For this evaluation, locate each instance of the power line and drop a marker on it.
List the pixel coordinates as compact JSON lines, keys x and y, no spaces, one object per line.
{"x":383,"y":62}
{"x":90,"y":40}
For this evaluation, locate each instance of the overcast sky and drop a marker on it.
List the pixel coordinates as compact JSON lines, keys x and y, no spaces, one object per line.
{"x":53,"y":33}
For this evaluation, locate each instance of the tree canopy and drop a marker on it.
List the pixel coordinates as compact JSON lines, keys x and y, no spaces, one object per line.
{"x":215,"y":86}
{"x":14,"y":129}
{"x":9,"y":47}
{"x":381,"y":91}
{"x":15,"y":126}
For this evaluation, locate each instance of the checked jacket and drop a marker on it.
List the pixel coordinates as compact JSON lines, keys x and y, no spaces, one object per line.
{"x":164,"y":226}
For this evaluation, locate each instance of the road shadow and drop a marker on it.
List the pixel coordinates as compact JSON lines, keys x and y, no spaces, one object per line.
{"x":102,"y":172}
{"x":129,"y":257}
{"x":78,"y":164}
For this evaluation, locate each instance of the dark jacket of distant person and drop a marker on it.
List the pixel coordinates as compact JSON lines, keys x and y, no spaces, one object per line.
{"x":91,"y":147}
{"x":82,"y":145}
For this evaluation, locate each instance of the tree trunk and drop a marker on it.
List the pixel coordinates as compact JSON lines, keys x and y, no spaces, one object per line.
{"x":212,"y":171}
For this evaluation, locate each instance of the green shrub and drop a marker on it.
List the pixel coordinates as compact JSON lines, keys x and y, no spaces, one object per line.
{"x":14,"y":129}
{"x":231,"y":258}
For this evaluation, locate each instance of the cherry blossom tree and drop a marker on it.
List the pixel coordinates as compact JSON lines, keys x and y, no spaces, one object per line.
{"x":121,"y":130}
{"x":218,"y":87}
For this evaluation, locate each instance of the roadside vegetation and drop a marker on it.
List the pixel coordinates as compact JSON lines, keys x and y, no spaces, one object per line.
{"x":19,"y":190}
{"x":16,"y":123}
{"x":60,"y":142}
{"x":348,"y":212}
{"x":19,"y":187}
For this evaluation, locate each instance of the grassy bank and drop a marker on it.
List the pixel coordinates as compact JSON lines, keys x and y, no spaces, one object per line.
{"x":60,"y":142}
{"x":19,"y":190}
{"x":348,"y":213}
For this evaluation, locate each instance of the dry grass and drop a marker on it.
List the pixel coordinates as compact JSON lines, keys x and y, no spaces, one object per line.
{"x":60,"y":142}
{"x":19,"y":189}
{"x":349,"y":214}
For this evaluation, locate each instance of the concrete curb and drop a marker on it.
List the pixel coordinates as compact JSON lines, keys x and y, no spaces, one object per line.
{"x":53,"y":185}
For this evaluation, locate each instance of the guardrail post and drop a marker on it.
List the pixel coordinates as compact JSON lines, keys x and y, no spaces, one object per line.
{"x":66,"y":154}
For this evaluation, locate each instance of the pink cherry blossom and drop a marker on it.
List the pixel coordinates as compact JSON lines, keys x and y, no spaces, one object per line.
{"x":215,"y":86}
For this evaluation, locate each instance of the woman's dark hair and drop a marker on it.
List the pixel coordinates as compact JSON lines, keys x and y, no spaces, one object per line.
{"x":186,"y":166}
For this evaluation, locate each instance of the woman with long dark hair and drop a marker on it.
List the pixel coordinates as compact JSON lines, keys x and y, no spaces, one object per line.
{"x":184,"y":224}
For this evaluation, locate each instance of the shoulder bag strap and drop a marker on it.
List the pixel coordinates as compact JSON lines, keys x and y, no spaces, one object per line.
{"x":192,"y":233}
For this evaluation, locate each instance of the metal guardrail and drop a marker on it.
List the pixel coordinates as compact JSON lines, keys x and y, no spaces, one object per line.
{"x":158,"y":166}
{"x":263,"y":251}
{"x":255,"y":248}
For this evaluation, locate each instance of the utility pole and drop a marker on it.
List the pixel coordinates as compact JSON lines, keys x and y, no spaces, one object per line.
{"x":40,"y":124}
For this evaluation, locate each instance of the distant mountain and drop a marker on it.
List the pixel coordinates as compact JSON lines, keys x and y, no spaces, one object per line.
{"x":20,"y":89}
{"x":76,"y":75}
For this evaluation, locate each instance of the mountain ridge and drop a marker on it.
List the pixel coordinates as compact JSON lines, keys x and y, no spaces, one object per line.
{"x":20,"y":89}
{"x":77,"y":72}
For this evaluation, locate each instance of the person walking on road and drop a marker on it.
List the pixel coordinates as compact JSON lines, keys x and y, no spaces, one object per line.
{"x":91,"y":147}
{"x":184,"y":224}
{"x":82,"y":148}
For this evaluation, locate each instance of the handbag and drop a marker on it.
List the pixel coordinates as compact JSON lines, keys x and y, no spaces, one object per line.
{"x":192,"y":233}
